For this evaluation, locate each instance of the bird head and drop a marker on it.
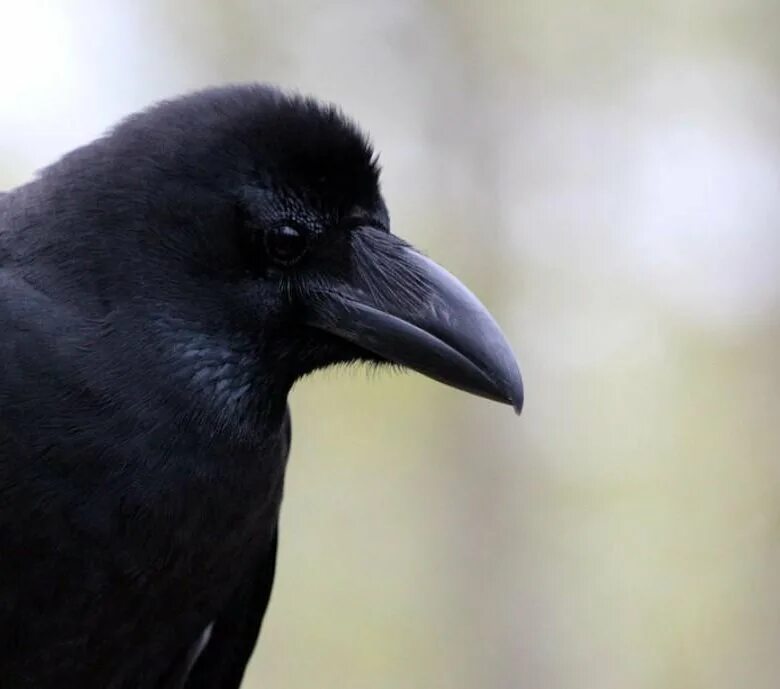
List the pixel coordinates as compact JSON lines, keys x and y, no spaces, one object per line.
{"x":273,"y":201}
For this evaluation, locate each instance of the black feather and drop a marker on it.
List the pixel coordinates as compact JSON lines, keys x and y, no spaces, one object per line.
{"x":145,"y":358}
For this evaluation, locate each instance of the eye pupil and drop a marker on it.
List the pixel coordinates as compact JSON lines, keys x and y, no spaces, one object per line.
{"x":285,"y":244}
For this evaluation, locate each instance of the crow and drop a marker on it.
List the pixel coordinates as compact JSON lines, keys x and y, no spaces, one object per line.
{"x":161,"y":290}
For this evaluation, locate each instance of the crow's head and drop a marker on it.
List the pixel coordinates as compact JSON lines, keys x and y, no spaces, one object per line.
{"x":271,"y":204}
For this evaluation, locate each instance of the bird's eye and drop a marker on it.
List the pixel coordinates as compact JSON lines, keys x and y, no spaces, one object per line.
{"x":285,"y":244}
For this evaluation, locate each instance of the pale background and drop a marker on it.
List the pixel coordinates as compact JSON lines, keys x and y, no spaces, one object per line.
{"x":606,"y":175}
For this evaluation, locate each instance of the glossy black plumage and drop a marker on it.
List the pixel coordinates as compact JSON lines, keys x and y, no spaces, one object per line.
{"x":160,"y":291}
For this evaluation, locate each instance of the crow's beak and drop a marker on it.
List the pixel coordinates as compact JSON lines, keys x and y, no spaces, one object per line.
{"x":407,"y":309}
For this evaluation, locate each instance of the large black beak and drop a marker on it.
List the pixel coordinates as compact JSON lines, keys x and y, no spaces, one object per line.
{"x":407,"y":309}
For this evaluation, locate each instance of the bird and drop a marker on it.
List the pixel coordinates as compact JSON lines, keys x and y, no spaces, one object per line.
{"x":161,"y":290}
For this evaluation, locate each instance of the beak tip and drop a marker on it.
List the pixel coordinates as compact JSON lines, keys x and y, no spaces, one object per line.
{"x":514,"y":390}
{"x":517,"y":395}
{"x":516,"y":399}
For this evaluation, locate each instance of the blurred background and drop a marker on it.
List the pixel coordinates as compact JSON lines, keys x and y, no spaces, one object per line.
{"x":606,"y":176}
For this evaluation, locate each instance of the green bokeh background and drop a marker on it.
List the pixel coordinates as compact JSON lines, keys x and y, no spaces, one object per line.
{"x":606,"y":175}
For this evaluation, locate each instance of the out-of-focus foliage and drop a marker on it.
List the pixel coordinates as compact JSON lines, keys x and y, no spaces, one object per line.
{"x":607,"y":176}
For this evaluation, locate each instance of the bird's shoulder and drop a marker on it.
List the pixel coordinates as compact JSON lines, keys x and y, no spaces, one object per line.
{"x":30,"y":321}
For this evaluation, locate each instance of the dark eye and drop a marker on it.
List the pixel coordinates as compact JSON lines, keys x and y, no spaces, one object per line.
{"x":285,"y":244}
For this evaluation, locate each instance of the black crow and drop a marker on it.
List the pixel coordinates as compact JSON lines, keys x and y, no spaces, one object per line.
{"x":161,"y":289}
